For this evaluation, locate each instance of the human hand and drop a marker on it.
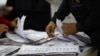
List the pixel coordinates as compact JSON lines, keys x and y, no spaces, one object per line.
{"x":69,"y":28}
{"x":14,"y":23}
{"x":50,"y":29}
{"x":3,"y":28}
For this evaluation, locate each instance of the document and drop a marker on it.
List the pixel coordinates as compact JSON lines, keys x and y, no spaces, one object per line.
{"x":29,"y":49}
{"x":6,"y":49}
{"x":67,"y":38}
{"x":19,"y":30}
{"x":33,"y":36}
{"x":59,"y":25}
{"x":19,"y":36}
{"x":27,"y":35}
{"x":16,"y":38}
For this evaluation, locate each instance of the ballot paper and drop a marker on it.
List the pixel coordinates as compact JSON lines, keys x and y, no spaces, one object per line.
{"x":16,"y":38}
{"x":19,"y":36}
{"x":59,"y":25}
{"x":20,"y":30}
{"x":29,"y":49}
{"x":27,"y":36}
{"x":32,"y":35}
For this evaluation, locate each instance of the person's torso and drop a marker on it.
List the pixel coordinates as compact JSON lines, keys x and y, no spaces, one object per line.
{"x":32,"y":5}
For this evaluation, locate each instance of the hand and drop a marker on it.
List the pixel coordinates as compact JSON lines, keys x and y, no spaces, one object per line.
{"x":50,"y":29}
{"x":14,"y":23}
{"x":69,"y":28}
{"x":3,"y":28}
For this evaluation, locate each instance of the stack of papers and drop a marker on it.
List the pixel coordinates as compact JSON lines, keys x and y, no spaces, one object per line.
{"x":5,"y":49}
{"x":26,"y":36}
{"x":31,"y":36}
{"x":29,"y":49}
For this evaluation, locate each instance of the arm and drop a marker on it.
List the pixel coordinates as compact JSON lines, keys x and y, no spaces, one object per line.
{"x":7,"y":22}
{"x":63,"y":11}
{"x":4,"y":20}
{"x":92,"y":22}
{"x":3,"y":28}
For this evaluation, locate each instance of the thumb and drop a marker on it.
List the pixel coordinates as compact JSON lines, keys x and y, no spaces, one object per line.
{"x":16,"y":19}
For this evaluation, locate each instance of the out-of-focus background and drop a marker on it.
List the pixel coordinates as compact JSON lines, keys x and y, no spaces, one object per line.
{"x":2,"y":3}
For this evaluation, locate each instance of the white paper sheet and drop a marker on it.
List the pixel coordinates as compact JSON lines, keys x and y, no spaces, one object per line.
{"x":19,"y":36}
{"x":5,"y":49}
{"x":20,"y":25}
{"x":28,"y":34}
{"x":59,"y":25}
{"x":29,"y":49}
{"x":36,"y":35}
{"x":16,"y":38}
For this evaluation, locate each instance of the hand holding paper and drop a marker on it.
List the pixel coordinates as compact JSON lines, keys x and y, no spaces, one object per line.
{"x":19,"y":30}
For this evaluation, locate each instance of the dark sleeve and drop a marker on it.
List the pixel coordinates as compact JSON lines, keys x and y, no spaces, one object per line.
{"x":63,"y":11}
{"x":92,"y":22}
{"x":10,"y":2}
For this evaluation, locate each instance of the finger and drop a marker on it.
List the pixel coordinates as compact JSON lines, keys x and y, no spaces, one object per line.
{"x":52,"y":32}
{"x":49,"y":31}
{"x":6,"y":27}
{"x":5,"y":30}
{"x":16,"y":19}
{"x":14,"y":23}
